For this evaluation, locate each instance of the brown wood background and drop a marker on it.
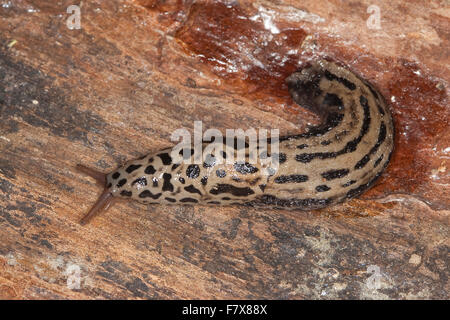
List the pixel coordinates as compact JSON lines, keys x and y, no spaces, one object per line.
{"x":136,"y":71}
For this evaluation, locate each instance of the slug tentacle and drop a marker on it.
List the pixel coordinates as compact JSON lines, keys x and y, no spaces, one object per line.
{"x":329,"y":163}
{"x":106,"y":198}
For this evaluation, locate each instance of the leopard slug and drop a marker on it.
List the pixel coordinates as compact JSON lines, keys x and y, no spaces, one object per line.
{"x":337,"y":160}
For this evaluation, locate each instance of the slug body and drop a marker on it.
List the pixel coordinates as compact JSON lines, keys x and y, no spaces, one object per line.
{"x":332,"y":162}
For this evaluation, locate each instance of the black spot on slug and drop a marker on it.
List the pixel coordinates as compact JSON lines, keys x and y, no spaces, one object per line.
{"x":204,"y":180}
{"x":192,"y":189}
{"x":167,"y":185}
{"x":322,"y":188}
{"x":126,"y":193}
{"x":150,"y":170}
{"x":121,"y":183}
{"x":132,"y":167}
{"x":235,"y":191}
{"x":165,"y":158}
{"x":148,"y":194}
{"x":181,"y":179}
{"x":193,"y":171}
{"x":116,"y":175}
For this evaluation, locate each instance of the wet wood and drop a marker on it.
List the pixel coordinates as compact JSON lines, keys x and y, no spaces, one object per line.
{"x":137,"y":70}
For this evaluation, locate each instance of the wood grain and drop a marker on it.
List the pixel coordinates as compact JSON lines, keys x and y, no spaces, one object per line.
{"x":118,"y":87}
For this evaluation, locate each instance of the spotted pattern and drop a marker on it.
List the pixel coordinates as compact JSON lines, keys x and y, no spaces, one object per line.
{"x":327,"y":164}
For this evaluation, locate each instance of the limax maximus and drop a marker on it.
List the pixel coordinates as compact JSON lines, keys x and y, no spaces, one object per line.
{"x":327,"y":164}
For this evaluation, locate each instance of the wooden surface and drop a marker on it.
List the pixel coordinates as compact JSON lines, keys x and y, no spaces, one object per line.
{"x":137,"y":70}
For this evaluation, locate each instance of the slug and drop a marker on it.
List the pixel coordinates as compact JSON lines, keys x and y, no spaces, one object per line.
{"x":327,"y":164}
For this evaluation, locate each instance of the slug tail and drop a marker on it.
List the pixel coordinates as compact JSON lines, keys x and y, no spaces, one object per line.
{"x":105,"y":200}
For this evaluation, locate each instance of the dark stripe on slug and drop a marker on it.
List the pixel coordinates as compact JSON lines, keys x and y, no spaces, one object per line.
{"x":349,"y":183}
{"x":148,"y":194}
{"x":193,"y":171}
{"x":228,"y":188}
{"x":132,"y":167}
{"x":165,"y":158}
{"x":358,"y":190}
{"x":330,"y":76}
{"x":175,"y":166}
{"x":377,"y":98}
{"x":126,"y":193}
{"x":377,"y":162}
{"x":213,"y":202}
{"x":245,"y":168}
{"x":361,"y":163}
{"x":332,"y":121}
{"x":109,"y":185}
{"x":187,"y":200}
{"x":192,"y":189}
{"x":150,"y":170}
{"x":293,"y":178}
{"x":322,"y":188}
{"x":302,"y":146}
{"x":349,"y":147}
{"x":167,"y":185}
{"x":332,"y":99}
{"x":334,"y":174}
{"x":170,"y":199}
{"x":294,"y":202}
{"x":381,"y":137}
{"x":141,"y":181}
{"x":121,"y":183}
